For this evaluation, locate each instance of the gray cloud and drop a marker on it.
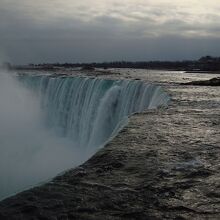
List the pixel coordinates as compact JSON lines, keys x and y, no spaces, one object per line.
{"x":80,"y":31}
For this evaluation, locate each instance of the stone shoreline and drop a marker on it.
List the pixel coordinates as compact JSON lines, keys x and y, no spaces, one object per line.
{"x":210,"y":82}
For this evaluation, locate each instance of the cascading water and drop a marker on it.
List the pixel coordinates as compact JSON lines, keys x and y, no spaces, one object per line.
{"x":80,"y":115}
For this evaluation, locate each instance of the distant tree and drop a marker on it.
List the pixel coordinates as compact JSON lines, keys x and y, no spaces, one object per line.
{"x":206,"y":59}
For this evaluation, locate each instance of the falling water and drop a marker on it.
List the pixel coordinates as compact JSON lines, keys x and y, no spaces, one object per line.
{"x":49,"y":124}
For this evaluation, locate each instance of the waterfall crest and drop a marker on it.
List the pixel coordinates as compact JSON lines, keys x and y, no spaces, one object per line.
{"x":90,"y":111}
{"x":50,"y":124}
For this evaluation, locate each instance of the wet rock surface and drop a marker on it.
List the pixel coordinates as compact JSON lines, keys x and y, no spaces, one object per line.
{"x":163,"y":165}
{"x":210,"y":82}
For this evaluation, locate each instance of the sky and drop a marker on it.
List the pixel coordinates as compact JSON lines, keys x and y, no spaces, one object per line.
{"x":107,"y":30}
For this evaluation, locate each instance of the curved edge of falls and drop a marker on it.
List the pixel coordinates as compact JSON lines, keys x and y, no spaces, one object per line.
{"x":78,"y":116}
{"x":90,"y":111}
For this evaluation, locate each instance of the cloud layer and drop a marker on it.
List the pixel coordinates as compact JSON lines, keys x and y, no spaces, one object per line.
{"x":98,"y":30}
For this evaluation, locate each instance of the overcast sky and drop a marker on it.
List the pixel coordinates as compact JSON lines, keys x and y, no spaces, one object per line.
{"x":33,"y":31}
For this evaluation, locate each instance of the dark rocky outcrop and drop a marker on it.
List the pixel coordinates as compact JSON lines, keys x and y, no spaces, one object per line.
{"x":88,"y":68}
{"x":211,"y":82}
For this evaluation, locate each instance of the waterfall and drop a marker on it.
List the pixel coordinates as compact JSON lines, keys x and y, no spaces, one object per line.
{"x":90,"y":111}
{"x":50,"y":124}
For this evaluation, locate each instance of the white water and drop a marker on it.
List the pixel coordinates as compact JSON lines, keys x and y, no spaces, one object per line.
{"x":52,"y":124}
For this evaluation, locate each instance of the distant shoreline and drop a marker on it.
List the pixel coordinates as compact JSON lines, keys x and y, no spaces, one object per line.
{"x":54,"y":68}
{"x":205,"y":64}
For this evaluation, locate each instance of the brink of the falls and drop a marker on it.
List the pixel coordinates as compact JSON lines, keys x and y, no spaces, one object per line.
{"x":56,"y":123}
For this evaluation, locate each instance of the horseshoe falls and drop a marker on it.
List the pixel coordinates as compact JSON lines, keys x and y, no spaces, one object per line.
{"x":56,"y":123}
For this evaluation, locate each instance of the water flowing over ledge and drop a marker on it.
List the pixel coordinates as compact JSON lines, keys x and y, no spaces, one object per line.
{"x":85,"y":113}
{"x":90,"y":111}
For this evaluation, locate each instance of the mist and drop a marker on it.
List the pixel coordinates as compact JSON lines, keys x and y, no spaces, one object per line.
{"x":29,"y":153}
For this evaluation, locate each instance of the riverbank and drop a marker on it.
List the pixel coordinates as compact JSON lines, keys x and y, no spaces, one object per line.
{"x":163,"y":165}
{"x":210,"y":82}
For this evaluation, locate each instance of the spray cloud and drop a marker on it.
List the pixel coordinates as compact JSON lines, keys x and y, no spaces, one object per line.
{"x":29,"y":153}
